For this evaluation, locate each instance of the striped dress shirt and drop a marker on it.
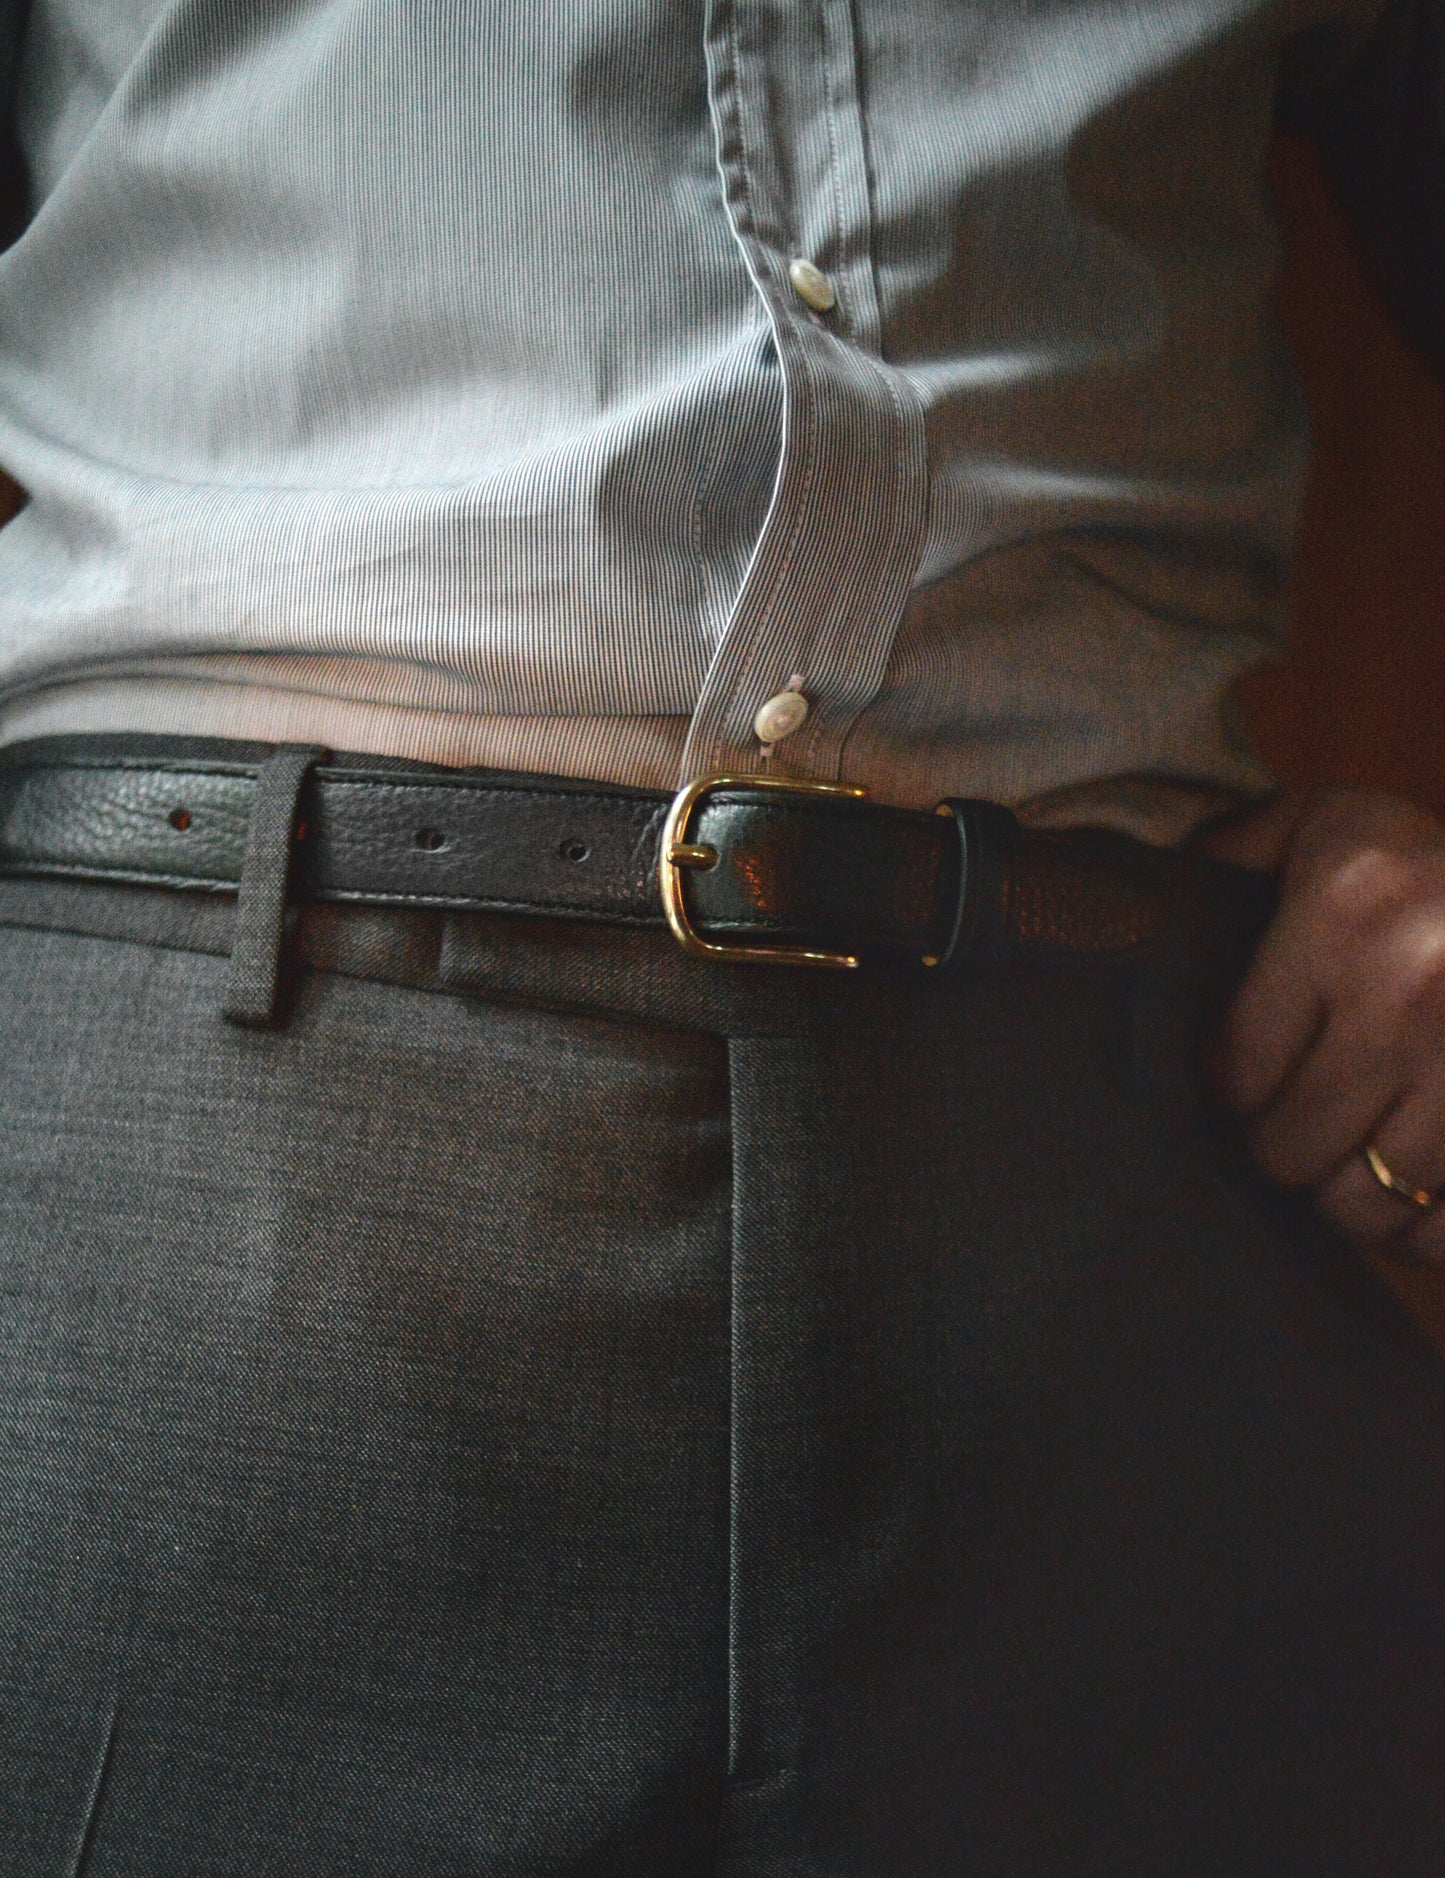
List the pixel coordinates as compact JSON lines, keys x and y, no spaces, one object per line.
{"x":552,"y":385}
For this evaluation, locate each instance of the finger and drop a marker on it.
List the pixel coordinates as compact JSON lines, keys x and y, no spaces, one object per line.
{"x":1384,"y":1032}
{"x":1356,"y":1203}
{"x":1276,"y":1015}
{"x":1341,"y":910}
{"x":1350,"y":1076}
{"x":1410,"y":1142}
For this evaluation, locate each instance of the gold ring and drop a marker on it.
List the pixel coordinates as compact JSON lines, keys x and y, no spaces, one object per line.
{"x":1413,"y":1196}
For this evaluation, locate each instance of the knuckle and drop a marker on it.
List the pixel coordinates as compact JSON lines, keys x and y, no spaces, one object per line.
{"x":1359,"y":891}
{"x":1419,"y":960}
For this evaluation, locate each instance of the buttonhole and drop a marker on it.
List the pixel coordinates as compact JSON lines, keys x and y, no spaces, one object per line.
{"x":179,"y":819}
{"x":430,"y":839}
{"x":303,"y":829}
{"x":574,"y":850}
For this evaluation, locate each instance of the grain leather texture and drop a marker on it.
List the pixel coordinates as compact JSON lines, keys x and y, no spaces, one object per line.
{"x":838,"y":873}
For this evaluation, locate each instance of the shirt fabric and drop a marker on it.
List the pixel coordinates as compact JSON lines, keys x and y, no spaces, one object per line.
{"x":430,"y":379}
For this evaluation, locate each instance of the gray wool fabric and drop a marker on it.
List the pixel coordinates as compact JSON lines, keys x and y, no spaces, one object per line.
{"x":428,"y":379}
{"x":556,"y":1407}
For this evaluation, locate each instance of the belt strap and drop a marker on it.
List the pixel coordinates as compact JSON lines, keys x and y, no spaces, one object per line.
{"x":968,"y":883}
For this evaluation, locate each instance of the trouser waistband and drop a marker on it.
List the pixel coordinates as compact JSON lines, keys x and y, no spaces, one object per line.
{"x":853,"y":1440}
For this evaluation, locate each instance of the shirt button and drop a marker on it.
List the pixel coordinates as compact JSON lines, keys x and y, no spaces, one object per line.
{"x":812,"y":286}
{"x":780,"y":716}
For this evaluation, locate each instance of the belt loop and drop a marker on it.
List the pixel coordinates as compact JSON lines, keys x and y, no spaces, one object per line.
{"x":986,"y":837}
{"x":252,"y":990}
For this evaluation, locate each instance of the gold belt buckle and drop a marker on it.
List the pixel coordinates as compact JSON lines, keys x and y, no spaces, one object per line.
{"x":678,"y":855}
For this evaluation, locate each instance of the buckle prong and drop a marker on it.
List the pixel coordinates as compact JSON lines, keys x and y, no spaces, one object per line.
{"x":692,"y":854}
{"x":677,"y":855}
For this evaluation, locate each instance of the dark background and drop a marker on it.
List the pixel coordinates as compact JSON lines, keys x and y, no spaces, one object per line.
{"x":1361,"y":697}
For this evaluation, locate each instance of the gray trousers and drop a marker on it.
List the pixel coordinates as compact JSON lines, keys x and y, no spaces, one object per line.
{"x":557,"y":1407}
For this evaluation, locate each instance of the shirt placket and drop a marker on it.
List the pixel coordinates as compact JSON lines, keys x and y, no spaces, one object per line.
{"x":834,"y":563}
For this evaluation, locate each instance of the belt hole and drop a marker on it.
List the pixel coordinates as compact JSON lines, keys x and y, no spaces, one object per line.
{"x":573,"y":850}
{"x":180,"y":820}
{"x":429,"y":840}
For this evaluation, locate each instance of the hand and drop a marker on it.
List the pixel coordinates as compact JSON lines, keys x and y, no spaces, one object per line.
{"x":1336,"y":1039}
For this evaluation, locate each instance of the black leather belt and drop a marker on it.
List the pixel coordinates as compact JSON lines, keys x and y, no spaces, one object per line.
{"x":748,"y":868}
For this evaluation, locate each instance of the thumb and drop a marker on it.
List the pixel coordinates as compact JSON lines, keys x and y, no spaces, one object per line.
{"x":1256,"y":836}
